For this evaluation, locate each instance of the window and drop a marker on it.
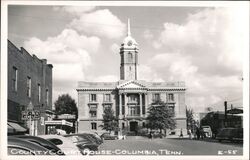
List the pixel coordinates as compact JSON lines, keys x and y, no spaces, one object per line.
{"x":130,"y":57}
{"x":156,"y":97}
{"x":171,"y":97}
{"x":107,"y":98}
{"x":39,"y":92}
{"x":133,"y":98}
{"x":133,"y":110}
{"x":107,"y":106}
{"x":47,"y":97}
{"x":171,"y":106}
{"x":14,"y":79}
{"x":93,"y":126}
{"x":93,"y":110}
{"x":123,"y":125}
{"x":28,"y":86}
{"x":92,"y":97}
{"x":92,"y":113}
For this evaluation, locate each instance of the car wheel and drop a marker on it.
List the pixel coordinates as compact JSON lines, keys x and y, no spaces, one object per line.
{"x":86,"y":151}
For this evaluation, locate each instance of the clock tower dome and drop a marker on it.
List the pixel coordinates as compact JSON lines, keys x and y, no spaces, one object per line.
{"x":129,"y":57}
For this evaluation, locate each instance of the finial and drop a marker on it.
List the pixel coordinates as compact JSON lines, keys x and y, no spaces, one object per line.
{"x":129,"y":34}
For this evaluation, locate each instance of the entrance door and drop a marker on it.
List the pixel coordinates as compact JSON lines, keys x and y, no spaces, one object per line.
{"x":133,"y":126}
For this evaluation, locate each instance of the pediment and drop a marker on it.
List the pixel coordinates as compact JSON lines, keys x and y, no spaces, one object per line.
{"x":131,"y":84}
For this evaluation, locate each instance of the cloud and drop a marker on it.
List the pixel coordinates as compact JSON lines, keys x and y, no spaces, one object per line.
{"x":210,"y":34}
{"x":148,"y":35}
{"x":202,"y":90}
{"x":100,"y":23}
{"x":206,"y":52}
{"x":115,"y":48}
{"x":75,"y":10}
{"x":147,"y":73}
{"x":70,"y":54}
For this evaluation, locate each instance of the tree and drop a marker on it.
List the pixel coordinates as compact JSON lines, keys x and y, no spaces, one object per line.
{"x":190,"y":118}
{"x":65,"y":104}
{"x":110,"y":122}
{"x":160,"y":116}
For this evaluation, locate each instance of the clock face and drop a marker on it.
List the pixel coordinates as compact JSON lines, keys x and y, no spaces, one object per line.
{"x":130,"y":43}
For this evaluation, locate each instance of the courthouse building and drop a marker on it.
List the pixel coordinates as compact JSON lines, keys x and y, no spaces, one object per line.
{"x":130,"y":97}
{"x":29,"y":86}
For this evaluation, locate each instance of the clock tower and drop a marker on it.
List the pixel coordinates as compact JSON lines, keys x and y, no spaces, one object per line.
{"x":129,"y":57}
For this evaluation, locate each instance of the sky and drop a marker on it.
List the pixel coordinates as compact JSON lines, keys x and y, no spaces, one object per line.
{"x":202,"y":46}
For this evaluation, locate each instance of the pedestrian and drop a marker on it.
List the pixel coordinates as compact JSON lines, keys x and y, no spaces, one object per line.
{"x":150,"y":135}
{"x":198,"y":133}
{"x":181,"y":134}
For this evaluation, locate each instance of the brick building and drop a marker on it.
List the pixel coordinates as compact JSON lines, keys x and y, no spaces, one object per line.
{"x":29,"y":82}
{"x":129,"y":97}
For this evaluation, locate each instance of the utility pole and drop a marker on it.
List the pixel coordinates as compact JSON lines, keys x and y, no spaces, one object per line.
{"x":225,"y":121}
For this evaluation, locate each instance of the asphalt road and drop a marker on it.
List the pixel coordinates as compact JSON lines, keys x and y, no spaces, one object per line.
{"x":140,"y":146}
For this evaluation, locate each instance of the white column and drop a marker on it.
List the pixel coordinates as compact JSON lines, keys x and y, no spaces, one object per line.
{"x":120,"y":105}
{"x":146,"y":103}
{"x":125,"y":105}
{"x":140,"y":104}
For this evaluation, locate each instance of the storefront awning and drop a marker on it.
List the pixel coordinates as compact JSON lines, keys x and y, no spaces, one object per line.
{"x":15,"y":128}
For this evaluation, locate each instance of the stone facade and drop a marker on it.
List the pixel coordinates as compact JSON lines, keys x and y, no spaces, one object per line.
{"x":130,"y":98}
{"x":29,"y":80}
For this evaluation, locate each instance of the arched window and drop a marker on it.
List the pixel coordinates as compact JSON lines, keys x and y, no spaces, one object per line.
{"x":130,"y":57}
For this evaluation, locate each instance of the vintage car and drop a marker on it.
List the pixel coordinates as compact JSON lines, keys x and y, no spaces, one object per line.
{"x":42,"y":142}
{"x":107,"y":136}
{"x":18,"y":146}
{"x":83,"y":142}
{"x":66,"y":145}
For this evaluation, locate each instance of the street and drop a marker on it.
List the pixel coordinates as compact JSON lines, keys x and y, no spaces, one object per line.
{"x":143,"y":146}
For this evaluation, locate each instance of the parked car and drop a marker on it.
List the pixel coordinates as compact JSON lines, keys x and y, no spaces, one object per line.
{"x":93,"y":135}
{"x":67,"y":146}
{"x":84,"y":143}
{"x":18,"y":146}
{"x":107,"y":136}
{"x":156,"y":134}
{"x":207,"y":131}
{"x":42,"y":142}
{"x":231,"y":134}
